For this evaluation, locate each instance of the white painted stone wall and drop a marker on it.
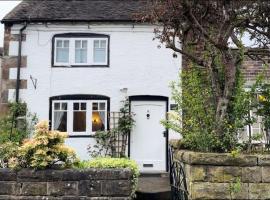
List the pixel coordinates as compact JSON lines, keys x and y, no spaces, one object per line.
{"x":135,"y":63}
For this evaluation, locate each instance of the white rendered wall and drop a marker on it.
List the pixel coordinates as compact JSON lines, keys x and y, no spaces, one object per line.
{"x":135,"y":63}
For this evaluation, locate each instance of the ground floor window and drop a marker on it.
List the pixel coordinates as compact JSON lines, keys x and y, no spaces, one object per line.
{"x":79,"y":117}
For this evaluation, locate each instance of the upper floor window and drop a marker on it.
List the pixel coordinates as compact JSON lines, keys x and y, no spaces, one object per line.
{"x":62,"y":51}
{"x":80,"y":50}
{"x":100,"y":51}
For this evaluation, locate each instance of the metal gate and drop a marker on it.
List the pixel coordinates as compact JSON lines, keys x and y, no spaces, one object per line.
{"x":177,"y":179}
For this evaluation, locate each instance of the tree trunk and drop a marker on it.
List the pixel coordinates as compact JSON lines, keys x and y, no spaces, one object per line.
{"x":227,"y":91}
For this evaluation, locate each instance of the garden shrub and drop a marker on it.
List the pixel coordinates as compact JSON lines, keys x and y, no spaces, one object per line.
{"x":15,"y":126}
{"x":195,"y":117}
{"x":112,"y":163}
{"x":44,"y":150}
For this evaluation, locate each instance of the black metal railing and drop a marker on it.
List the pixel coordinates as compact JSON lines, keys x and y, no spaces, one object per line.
{"x":177,"y":178}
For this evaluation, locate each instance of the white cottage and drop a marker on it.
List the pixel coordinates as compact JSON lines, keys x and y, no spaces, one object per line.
{"x":77,"y":60}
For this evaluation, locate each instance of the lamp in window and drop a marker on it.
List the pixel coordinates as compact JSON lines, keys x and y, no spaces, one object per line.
{"x":97,"y":122}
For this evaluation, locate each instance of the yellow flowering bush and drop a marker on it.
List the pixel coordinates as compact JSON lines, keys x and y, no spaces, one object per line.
{"x":44,"y":150}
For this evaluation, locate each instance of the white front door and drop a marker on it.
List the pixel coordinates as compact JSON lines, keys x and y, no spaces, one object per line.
{"x":147,"y":141}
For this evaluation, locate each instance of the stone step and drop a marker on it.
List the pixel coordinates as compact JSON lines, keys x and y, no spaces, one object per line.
{"x":153,"y":188}
{"x":154,"y":174}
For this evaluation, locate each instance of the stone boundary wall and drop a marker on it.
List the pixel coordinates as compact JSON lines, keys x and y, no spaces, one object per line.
{"x":70,"y":184}
{"x":217,"y":176}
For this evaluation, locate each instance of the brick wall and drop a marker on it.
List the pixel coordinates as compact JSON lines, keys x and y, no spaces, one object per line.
{"x":71,"y":184}
{"x":214,"y":175}
{"x":9,"y":62}
{"x":252,"y":67}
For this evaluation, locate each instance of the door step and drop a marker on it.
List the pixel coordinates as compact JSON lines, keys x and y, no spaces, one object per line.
{"x":154,"y":174}
{"x":153,"y":188}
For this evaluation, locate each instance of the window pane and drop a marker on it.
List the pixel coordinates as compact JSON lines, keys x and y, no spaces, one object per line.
{"x":56,"y":106}
{"x":76,"y":106}
{"x":79,"y":121}
{"x":101,"y":106}
{"x":59,"y":43}
{"x":95,"y":106}
{"x":98,"y":121}
{"x":84,"y":44}
{"x":100,"y":55}
{"x":83,"y":106}
{"x":66,"y":43}
{"x":78,"y":44}
{"x":81,"y":55}
{"x":60,"y":121}
{"x":62,"y":55}
{"x":103,"y":43}
{"x":96,"y":44}
{"x":64,"y":106}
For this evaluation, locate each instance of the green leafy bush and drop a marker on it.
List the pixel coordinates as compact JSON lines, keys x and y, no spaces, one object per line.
{"x":44,"y":150}
{"x":15,"y":126}
{"x":112,"y":163}
{"x":195,"y":118}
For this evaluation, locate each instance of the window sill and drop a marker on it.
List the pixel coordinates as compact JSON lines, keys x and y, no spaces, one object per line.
{"x":79,"y":66}
{"x":82,"y":136}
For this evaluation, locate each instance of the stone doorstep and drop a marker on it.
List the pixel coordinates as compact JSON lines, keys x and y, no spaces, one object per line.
{"x":153,"y":188}
{"x":153,"y":184}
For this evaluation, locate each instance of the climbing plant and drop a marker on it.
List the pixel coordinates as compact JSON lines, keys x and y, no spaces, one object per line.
{"x":113,"y":142}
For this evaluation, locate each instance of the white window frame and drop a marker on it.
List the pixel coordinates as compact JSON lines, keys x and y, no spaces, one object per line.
{"x":106,"y":51}
{"x":89,"y":111}
{"x":55,"y":51}
{"x":90,"y":52}
{"x":53,"y":111}
{"x":87,"y":50}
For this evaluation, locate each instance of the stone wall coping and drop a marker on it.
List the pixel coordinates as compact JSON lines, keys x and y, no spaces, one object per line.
{"x":221,"y":159}
{"x":48,"y":175}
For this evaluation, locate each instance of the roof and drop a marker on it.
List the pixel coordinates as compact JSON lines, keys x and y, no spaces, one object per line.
{"x":75,"y":11}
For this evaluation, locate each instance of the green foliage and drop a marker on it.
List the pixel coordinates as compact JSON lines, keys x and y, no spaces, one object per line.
{"x":17,"y":124}
{"x":263,"y":105}
{"x":103,"y":144}
{"x":195,"y":116}
{"x":114,"y":163}
{"x":44,"y":150}
{"x":126,"y":121}
{"x":8,"y":150}
{"x":235,"y":187}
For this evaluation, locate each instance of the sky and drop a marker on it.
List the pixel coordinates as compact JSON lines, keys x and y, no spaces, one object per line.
{"x":5,"y":8}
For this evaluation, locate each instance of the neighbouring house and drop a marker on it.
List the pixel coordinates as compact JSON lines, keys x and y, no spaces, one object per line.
{"x":1,"y":58}
{"x":77,"y":60}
